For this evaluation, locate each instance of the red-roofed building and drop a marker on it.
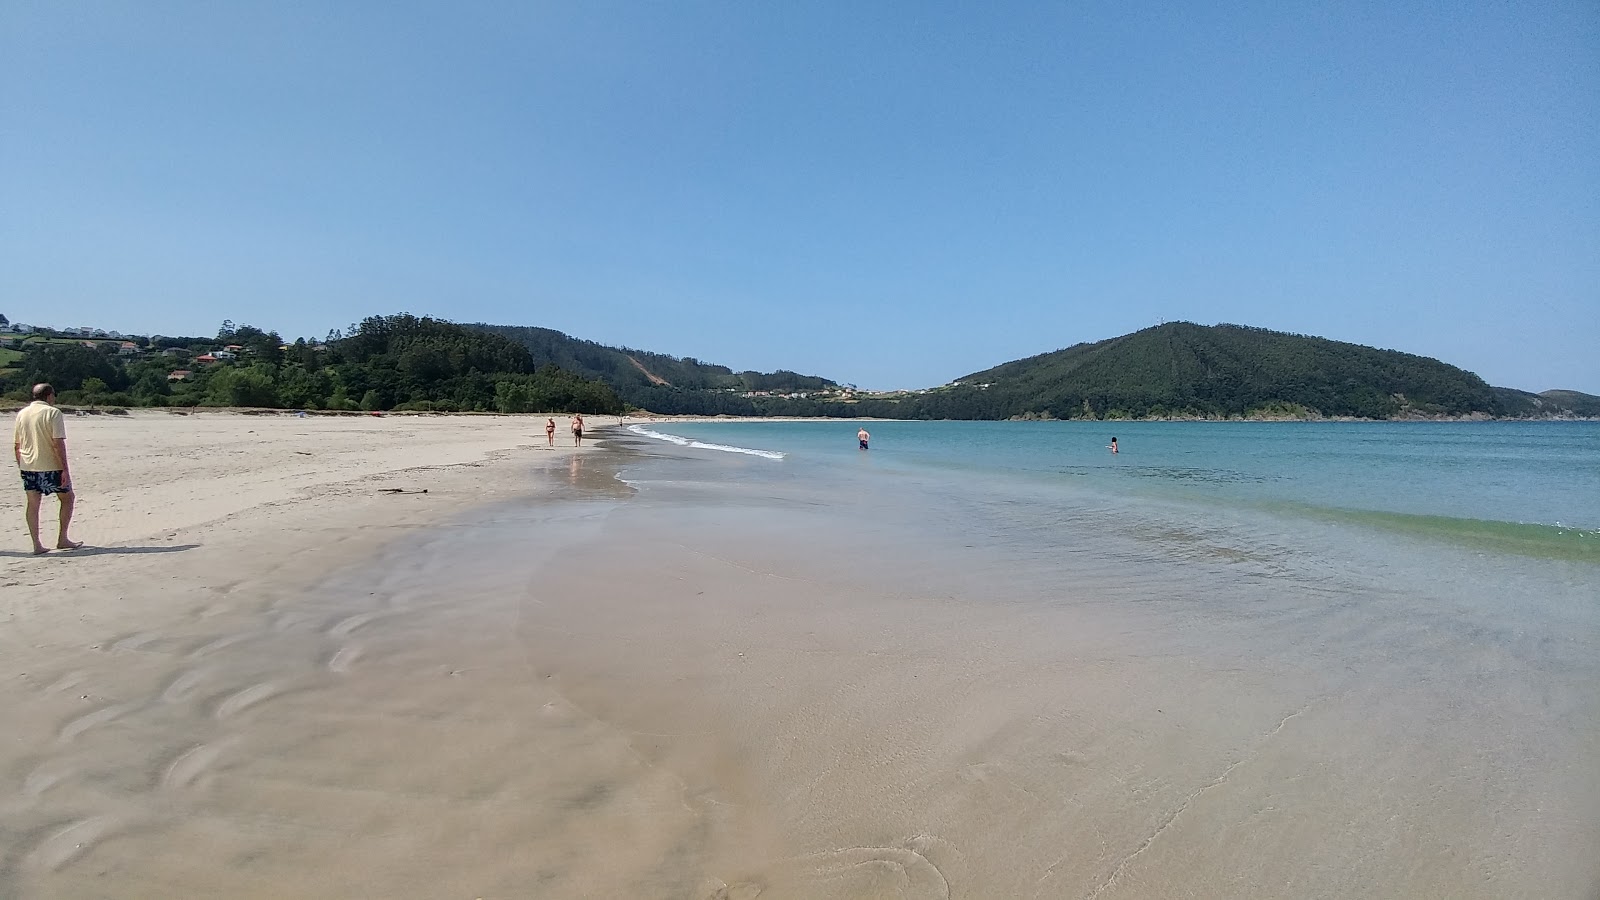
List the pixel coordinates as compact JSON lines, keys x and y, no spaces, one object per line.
{"x":207,"y":359}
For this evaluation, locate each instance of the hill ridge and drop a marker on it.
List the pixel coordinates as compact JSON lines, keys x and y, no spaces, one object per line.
{"x":659,"y":382}
{"x":1183,"y":368}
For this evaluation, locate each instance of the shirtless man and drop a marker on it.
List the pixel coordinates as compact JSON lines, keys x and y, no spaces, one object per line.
{"x":39,"y":442}
{"x":863,"y":437}
{"x":577,"y":431}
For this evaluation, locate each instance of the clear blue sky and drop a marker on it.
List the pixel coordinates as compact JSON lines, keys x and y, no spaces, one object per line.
{"x":890,"y":194}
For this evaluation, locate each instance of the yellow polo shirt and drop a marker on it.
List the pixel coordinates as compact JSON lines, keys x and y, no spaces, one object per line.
{"x":39,"y":426}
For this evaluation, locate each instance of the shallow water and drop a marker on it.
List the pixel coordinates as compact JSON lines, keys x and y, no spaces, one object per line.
{"x":1383,"y":642}
{"x":677,"y":671}
{"x":1448,"y":480}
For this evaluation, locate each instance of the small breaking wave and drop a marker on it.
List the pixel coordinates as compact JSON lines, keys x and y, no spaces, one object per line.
{"x":701,"y":445}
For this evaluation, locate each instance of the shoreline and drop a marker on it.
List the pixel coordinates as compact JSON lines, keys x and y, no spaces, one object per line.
{"x":645,"y":416}
{"x":145,"y":474}
{"x":708,"y":684}
{"x":132,"y":668}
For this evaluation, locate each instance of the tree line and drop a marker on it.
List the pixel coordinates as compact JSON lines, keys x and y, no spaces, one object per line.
{"x":399,"y":362}
{"x":407,"y":363}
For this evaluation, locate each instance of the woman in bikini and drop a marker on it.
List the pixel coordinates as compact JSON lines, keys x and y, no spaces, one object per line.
{"x":550,"y":431}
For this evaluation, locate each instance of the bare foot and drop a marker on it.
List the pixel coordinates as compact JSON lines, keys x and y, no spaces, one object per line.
{"x":40,"y":550}
{"x":69,"y":545}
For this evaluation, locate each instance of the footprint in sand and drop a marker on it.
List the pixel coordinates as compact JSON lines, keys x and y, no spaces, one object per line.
{"x":44,"y":778}
{"x":248,"y":697}
{"x":344,"y":658}
{"x":99,"y":717}
{"x":185,"y":685}
{"x":227,"y":640}
{"x":67,"y":682}
{"x":291,"y":621}
{"x":72,"y":841}
{"x":346,"y":626}
{"x":191,"y":765}
{"x":135,"y":641}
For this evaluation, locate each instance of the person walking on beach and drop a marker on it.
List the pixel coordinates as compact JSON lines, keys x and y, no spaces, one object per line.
{"x":39,"y":442}
{"x":550,"y":431}
{"x":577,"y":430}
{"x":863,"y":437}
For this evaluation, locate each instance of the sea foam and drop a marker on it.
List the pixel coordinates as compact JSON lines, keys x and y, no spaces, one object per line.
{"x":701,"y":445}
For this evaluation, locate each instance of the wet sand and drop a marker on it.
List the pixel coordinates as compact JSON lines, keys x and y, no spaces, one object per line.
{"x":877,"y":726}
{"x":135,"y":669}
{"x":533,"y":681}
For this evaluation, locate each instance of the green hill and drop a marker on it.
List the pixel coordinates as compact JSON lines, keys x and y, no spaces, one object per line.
{"x":1183,"y":369}
{"x":1547,"y":404}
{"x":658,"y":382}
{"x":384,"y":363}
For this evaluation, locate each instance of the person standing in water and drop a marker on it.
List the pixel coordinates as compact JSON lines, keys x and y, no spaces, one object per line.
{"x":863,"y":437}
{"x":1113,"y":445}
{"x":577,"y":430}
{"x":550,"y":431}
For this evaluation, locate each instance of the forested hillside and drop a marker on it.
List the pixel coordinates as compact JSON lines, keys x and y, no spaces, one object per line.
{"x":1184,"y":369}
{"x":1547,"y":404}
{"x":657,"y":382}
{"x":384,"y":363}
{"x":408,"y":363}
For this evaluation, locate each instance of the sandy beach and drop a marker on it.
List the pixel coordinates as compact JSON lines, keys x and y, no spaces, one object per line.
{"x":204,"y":532}
{"x":267,"y":677}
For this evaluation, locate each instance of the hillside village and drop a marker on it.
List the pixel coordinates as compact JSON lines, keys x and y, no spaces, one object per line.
{"x":383,"y":363}
{"x":183,"y":354}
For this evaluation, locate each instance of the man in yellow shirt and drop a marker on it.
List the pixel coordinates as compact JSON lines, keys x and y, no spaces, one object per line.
{"x":39,"y":440}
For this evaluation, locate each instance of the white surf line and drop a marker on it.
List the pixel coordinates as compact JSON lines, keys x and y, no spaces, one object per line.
{"x":701,"y":445}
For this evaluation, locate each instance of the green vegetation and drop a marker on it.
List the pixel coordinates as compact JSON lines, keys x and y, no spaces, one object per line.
{"x":1177,"y":370}
{"x":667,"y":384}
{"x":1547,"y":404}
{"x":1186,"y":370}
{"x":384,"y":363}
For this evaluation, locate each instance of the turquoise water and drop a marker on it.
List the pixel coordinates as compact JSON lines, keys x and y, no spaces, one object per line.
{"x":1528,"y":489}
{"x":1409,"y":613}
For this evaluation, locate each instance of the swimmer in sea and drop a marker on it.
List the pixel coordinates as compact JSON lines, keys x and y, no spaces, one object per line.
{"x":863,"y":437}
{"x":1113,"y":445}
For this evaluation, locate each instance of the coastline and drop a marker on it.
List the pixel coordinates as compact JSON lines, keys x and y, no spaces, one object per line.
{"x":638,"y":416}
{"x":717,"y":680}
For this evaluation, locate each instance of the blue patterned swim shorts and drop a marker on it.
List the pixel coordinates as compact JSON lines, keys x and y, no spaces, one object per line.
{"x":44,"y":483}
